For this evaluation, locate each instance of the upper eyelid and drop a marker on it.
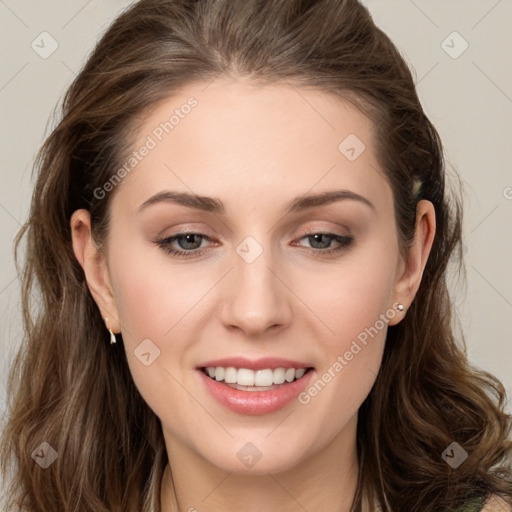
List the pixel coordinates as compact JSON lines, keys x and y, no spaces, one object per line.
{"x":302,"y":234}
{"x":187,"y":230}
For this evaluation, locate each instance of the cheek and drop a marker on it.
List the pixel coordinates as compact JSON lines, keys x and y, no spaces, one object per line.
{"x":152,"y":297}
{"x":351,"y":294}
{"x":161,"y":302}
{"x":156,"y":309}
{"x":355,"y":306}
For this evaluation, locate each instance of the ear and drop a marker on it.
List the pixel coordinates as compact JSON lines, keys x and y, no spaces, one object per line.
{"x":410,"y":271}
{"x":94,"y":264}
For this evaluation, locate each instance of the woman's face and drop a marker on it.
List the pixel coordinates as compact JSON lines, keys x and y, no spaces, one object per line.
{"x":254,"y":285}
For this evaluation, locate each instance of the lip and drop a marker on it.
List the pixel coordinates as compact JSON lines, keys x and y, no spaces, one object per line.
{"x":255,"y":402}
{"x":255,"y":364}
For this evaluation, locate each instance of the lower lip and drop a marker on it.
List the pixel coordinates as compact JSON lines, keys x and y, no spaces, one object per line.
{"x":256,"y":402}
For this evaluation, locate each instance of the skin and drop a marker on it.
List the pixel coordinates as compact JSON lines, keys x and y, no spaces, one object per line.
{"x":255,"y":148}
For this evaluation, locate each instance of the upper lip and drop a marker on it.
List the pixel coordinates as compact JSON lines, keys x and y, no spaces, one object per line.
{"x":255,"y":364}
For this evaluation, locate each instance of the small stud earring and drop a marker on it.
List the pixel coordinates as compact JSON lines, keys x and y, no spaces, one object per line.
{"x":400,"y":307}
{"x":112,"y":335}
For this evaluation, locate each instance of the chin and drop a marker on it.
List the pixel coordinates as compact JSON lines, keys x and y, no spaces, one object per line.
{"x":254,"y":458}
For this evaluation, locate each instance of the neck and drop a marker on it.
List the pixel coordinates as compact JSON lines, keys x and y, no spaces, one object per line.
{"x":326,"y":481}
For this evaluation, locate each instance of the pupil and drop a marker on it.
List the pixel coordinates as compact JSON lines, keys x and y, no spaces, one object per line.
{"x":325,"y":244}
{"x":188,"y":241}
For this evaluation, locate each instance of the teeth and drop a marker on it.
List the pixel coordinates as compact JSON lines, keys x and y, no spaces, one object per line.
{"x":230,"y":375}
{"x":219,"y":373}
{"x":278,"y":375}
{"x":257,"y":378}
{"x":263,"y":377}
{"x":299,"y":373}
{"x":289,"y":374}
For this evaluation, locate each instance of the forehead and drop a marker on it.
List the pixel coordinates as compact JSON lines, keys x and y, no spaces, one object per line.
{"x":234,"y":135}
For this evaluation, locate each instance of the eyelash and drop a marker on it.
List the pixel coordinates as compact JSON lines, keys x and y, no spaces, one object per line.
{"x":165,"y":244}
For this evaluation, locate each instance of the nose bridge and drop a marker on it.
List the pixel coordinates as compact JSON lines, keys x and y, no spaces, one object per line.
{"x":255,"y":298}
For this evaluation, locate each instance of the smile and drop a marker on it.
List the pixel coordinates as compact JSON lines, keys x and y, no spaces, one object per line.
{"x":254,"y":392}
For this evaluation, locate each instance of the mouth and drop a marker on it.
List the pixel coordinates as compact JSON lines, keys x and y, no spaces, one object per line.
{"x":268,"y":385}
{"x":246,"y":379}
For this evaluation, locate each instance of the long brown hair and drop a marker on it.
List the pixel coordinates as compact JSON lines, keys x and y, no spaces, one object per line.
{"x":70,"y":388}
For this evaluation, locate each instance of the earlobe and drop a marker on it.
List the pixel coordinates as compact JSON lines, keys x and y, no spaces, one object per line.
{"x":93,"y":262}
{"x":396,"y":313}
{"x":410,"y":277}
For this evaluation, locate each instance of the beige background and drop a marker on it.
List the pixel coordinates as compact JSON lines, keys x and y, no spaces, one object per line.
{"x":468,"y":98}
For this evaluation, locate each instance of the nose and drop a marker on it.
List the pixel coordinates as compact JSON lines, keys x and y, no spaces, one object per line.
{"x":255,"y":297}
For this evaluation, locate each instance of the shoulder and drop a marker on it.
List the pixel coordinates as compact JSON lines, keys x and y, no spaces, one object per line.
{"x":496,"y":504}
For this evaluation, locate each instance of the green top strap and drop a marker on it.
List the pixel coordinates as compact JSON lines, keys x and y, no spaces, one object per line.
{"x":475,"y":505}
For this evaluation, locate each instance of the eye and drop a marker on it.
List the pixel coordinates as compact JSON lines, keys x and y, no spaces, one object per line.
{"x":321,"y":242}
{"x":189,"y":243}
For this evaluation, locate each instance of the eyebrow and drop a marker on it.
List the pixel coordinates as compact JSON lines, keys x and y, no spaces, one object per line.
{"x":213,"y":205}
